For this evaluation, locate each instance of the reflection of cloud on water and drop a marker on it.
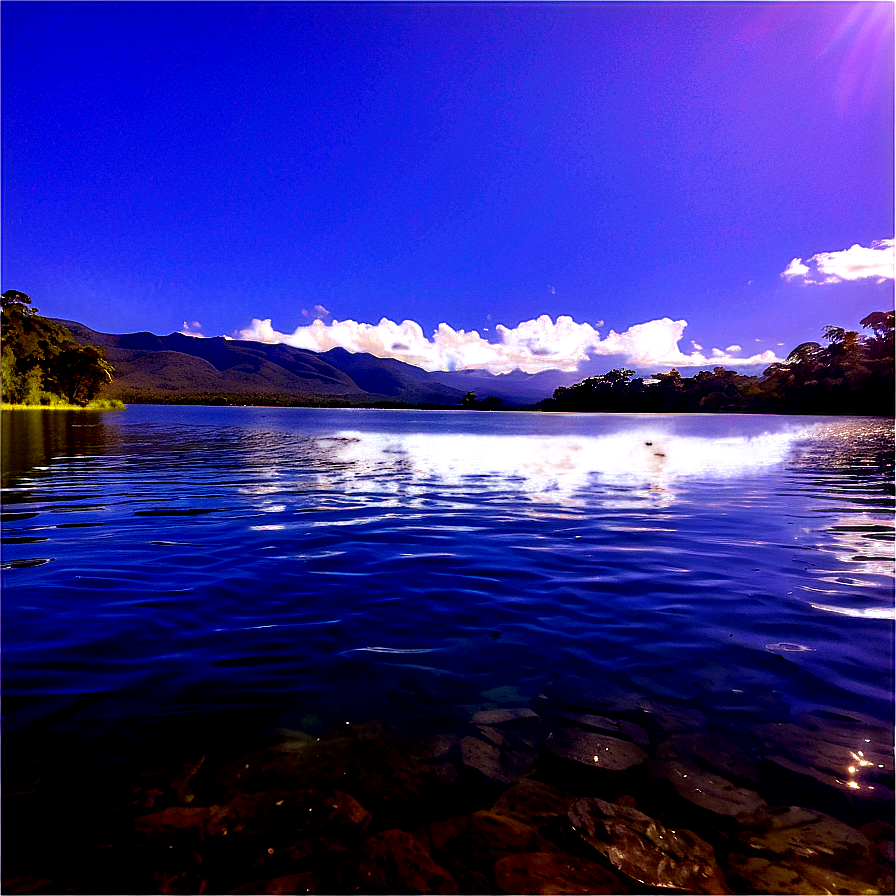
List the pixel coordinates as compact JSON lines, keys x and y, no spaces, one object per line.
{"x":546,"y":464}
{"x":627,"y":458}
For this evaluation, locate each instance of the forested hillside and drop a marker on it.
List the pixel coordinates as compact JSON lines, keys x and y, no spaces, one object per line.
{"x":179,"y":369}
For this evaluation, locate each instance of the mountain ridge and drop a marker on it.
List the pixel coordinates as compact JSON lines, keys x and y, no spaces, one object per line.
{"x":187,"y":369}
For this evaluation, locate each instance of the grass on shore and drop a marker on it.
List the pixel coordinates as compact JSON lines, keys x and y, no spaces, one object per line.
{"x":101,"y":404}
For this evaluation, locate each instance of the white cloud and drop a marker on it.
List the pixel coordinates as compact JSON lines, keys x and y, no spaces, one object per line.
{"x":655,"y":343}
{"x":733,"y":349}
{"x":796,"y":268}
{"x":531,"y":346}
{"x":876,"y":262}
{"x":192,"y":328}
{"x":564,"y":341}
{"x":859,"y":263}
{"x":317,"y":312}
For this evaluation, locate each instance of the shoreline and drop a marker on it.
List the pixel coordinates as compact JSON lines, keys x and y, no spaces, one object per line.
{"x":100,"y":405}
{"x":117,"y":405}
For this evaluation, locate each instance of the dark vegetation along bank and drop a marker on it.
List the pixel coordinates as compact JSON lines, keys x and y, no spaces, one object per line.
{"x":42,"y":362}
{"x":852,"y":374}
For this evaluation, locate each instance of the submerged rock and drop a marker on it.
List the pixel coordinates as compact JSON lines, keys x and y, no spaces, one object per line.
{"x":594,"y":752}
{"x":831,"y":761}
{"x":432,"y":687}
{"x":292,"y":816}
{"x":409,"y":773}
{"x":179,"y":871}
{"x":506,"y":718}
{"x":553,"y":873}
{"x":759,"y":704}
{"x":523,"y":818}
{"x":584,"y":693}
{"x":614,"y":727}
{"x":500,"y":763}
{"x":29,"y":884}
{"x":645,"y":850}
{"x":490,"y":835}
{"x":305,"y":882}
{"x":184,"y":822}
{"x":393,"y":861}
{"x":804,"y":833}
{"x":708,"y":791}
{"x":492,"y":735}
{"x":440,"y":833}
{"x":533,"y":801}
{"x":165,"y":780}
{"x":505,"y":694}
{"x":759,"y":875}
{"x":881,"y":834}
{"x":300,"y":761}
{"x":713,"y":751}
{"x":676,"y":718}
{"x":311,"y":852}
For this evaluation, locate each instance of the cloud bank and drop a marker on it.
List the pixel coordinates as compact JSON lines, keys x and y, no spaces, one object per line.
{"x":876,"y":263}
{"x":192,"y":328}
{"x":531,"y":346}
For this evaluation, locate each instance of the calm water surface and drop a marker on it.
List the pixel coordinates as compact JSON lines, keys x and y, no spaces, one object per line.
{"x":195,"y":568}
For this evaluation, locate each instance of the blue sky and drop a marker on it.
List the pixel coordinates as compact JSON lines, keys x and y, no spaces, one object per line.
{"x":700,"y":171}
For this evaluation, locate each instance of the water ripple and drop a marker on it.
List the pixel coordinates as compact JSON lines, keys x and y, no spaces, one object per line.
{"x":205,"y":558}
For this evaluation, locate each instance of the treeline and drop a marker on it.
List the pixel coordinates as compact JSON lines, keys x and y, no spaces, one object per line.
{"x":471,"y":403}
{"x":265,"y":399}
{"x":851,"y":375}
{"x":41,"y":363}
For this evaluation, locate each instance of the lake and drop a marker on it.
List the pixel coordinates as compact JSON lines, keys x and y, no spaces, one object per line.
{"x":180,"y":577}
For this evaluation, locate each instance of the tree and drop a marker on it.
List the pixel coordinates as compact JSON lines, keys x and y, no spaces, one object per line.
{"x":810,"y":354}
{"x":470,"y":403}
{"x":880,"y":345}
{"x":26,"y":340}
{"x":615,"y":390}
{"x":41,"y":359}
{"x":11,"y":384}
{"x":12,"y":298}
{"x":78,"y":372}
{"x":669,"y":391}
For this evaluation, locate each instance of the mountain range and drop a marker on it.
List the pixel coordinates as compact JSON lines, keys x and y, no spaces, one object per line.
{"x":191,"y":370}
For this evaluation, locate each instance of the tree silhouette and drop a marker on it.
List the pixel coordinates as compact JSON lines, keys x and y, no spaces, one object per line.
{"x":42,"y":361}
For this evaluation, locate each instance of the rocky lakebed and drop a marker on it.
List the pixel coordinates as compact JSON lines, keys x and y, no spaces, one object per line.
{"x":580,"y":789}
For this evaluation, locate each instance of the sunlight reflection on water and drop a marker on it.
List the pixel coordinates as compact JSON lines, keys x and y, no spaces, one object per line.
{"x":556,"y":468}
